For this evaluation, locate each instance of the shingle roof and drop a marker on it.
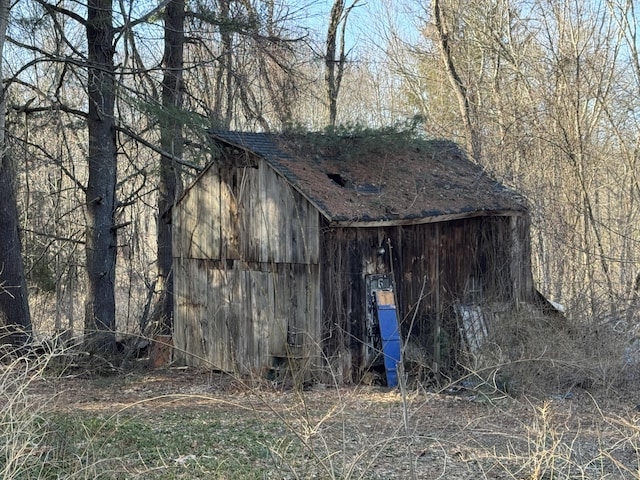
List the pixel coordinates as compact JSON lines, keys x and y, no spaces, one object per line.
{"x":375,"y":185}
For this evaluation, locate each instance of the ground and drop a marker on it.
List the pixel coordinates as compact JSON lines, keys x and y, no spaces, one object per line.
{"x":187,"y":423}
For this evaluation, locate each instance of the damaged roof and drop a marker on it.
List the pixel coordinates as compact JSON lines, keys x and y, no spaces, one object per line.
{"x":354,"y":180}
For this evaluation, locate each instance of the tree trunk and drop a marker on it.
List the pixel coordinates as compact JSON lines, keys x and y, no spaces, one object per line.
{"x":334,"y":67}
{"x":14,"y":305}
{"x":330,"y":60}
{"x":171,"y":141}
{"x":462,"y":94}
{"x":100,"y":193}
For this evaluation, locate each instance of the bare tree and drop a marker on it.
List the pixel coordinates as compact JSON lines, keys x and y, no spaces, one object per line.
{"x":245,"y":63}
{"x":334,"y":66}
{"x":172,"y":143}
{"x":547,"y":93}
{"x":14,"y":306}
{"x":100,"y":322}
{"x":459,"y":87}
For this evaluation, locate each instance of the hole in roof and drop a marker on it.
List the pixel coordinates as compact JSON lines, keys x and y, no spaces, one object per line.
{"x":337,"y":178}
{"x":369,"y":188}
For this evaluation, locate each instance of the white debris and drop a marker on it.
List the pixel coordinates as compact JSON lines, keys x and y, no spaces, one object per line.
{"x":184,"y":459}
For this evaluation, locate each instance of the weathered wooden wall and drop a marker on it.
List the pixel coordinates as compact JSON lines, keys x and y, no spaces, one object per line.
{"x":246,"y":270}
{"x":473,"y":260}
{"x":246,"y":214}
{"x":260,"y":274}
{"x":238,"y":320}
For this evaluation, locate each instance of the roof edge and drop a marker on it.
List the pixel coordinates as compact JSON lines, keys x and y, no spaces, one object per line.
{"x":272,"y":163}
{"x":431,"y":219}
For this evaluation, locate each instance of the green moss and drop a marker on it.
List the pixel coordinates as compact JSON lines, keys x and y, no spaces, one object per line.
{"x":353,"y":141}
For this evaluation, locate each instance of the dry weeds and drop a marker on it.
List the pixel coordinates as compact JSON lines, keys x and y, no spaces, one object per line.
{"x":225,"y":427}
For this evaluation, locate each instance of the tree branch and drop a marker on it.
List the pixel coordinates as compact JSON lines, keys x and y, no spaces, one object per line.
{"x":473,"y":142}
{"x":157,"y":149}
{"x":53,"y":237}
{"x":57,"y":9}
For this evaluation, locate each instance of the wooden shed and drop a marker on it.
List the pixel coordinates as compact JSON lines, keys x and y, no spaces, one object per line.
{"x":282,"y":241}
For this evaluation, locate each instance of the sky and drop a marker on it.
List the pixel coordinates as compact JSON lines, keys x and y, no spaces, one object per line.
{"x":369,"y":25}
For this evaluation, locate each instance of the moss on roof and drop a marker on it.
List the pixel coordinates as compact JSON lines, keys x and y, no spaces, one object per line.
{"x":379,"y":177}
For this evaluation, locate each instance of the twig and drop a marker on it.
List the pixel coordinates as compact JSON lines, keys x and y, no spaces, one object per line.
{"x":402,"y":382}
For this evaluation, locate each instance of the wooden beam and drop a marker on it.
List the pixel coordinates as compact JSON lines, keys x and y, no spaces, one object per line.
{"x":422,"y":220}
